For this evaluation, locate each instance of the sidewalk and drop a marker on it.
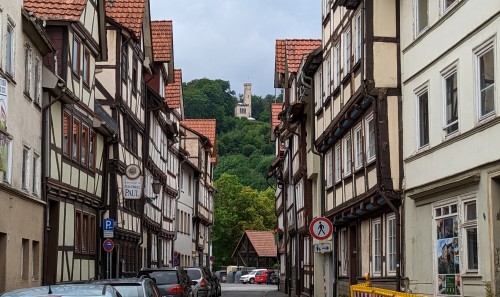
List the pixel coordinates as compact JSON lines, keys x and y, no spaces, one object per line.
{"x":275,"y":294}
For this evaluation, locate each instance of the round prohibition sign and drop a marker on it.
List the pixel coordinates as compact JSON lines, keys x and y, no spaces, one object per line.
{"x":321,"y":228}
{"x":108,"y":245}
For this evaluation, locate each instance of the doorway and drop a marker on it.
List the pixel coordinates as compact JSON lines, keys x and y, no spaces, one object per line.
{"x":52,"y":243}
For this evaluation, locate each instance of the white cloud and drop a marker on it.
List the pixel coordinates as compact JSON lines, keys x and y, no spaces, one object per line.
{"x":234,"y":39}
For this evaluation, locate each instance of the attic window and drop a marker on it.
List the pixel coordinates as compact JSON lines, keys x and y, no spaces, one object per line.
{"x":111,"y":3}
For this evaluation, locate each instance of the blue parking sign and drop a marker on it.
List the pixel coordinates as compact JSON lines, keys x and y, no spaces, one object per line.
{"x":108,"y":224}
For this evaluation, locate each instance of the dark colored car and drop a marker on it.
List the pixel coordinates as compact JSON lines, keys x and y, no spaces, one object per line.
{"x":218,"y":288}
{"x":132,"y":287}
{"x":171,"y":281}
{"x":76,"y":290}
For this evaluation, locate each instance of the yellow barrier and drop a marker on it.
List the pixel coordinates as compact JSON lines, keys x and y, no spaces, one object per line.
{"x":366,"y":290}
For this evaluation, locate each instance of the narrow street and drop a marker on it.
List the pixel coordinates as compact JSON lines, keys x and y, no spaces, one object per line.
{"x":230,"y":290}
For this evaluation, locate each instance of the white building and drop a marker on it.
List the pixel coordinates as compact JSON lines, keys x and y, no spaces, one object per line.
{"x":451,"y":122}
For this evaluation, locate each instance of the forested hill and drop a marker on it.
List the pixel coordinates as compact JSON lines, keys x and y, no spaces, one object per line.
{"x":244,"y":147}
{"x":243,"y":200}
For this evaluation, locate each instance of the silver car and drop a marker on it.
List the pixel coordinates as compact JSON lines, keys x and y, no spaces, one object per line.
{"x":74,"y":290}
{"x":202,"y":287}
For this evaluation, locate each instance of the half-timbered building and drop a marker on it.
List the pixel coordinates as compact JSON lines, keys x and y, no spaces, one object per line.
{"x":161,"y":164}
{"x":292,"y":146}
{"x":122,"y":92}
{"x":358,"y":115}
{"x":74,"y":139}
{"x":200,"y":142}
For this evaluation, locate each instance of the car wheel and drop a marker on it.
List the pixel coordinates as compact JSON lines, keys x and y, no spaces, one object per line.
{"x":252,"y":280}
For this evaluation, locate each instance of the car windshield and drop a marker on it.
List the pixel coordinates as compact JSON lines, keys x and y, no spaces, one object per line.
{"x":167,"y":277}
{"x":129,"y":290}
{"x":253,"y":272}
{"x":194,"y":273}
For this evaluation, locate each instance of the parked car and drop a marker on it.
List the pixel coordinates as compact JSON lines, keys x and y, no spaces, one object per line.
{"x":204,"y":286}
{"x":262,"y":275}
{"x":132,"y":287}
{"x":73,"y":290}
{"x":171,"y":281}
{"x":250,"y":277}
{"x":218,"y":288}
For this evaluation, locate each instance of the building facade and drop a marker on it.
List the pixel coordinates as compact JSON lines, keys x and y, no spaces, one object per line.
{"x":24,"y":44}
{"x":290,"y":167}
{"x":121,"y":91}
{"x":358,"y":114}
{"x":199,"y":141}
{"x":452,"y":172}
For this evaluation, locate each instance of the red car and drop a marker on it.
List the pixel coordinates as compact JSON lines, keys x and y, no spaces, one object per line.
{"x":261,"y":276}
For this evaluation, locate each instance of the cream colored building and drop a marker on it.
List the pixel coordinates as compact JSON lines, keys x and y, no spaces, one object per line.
{"x":449,"y":53}
{"x":358,"y":133}
{"x":23,"y":44}
{"x":244,"y":109}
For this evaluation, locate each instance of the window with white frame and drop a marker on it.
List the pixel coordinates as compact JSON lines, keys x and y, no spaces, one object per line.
{"x":469,"y":226}
{"x":327,"y":66}
{"x":485,"y":68}
{"x":36,"y":174}
{"x":338,"y":162}
{"x":358,"y":147}
{"x":347,"y":154}
{"x":343,"y":252}
{"x":26,"y":168}
{"x":27,"y":70}
{"x":391,"y":243}
{"x":423,"y":117}
{"x":450,"y":102}
{"x":37,"y":69}
{"x":421,"y":16}
{"x":318,"y":89}
{"x":10,"y":49}
{"x":299,"y":195}
{"x":358,"y":38}
{"x":347,"y":51}
{"x":370,"y":138}
{"x":447,"y":4}
{"x":75,"y":65}
{"x":7,"y":167}
{"x":326,"y":8}
{"x":447,"y":245}
{"x":336,"y":65}
{"x":329,"y":168}
{"x":376,"y":247}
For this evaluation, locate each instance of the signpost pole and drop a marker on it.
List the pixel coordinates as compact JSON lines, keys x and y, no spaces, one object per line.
{"x":110,"y":264}
{"x":107,"y":265}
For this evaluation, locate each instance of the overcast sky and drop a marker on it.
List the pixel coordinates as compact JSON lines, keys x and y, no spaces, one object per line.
{"x":234,"y":40}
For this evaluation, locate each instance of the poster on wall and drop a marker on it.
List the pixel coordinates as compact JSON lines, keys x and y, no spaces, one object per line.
{"x":3,"y":124}
{"x":448,"y":257}
{"x":3,"y":103}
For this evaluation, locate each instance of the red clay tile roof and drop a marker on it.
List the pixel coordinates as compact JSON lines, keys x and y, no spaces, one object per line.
{"x":70,"y":10}
{"x":292,"y":51}
{"x":276,"y":108}
{"x":279,"y":64}
{"x":263,"y":242}
{"x":173,"y":90}
{"x":128,"y":13}
{"x":161,"y":32}
{"x":207,"y":128}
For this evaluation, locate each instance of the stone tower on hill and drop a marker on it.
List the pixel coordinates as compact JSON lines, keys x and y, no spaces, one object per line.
{"x":244,"y":109}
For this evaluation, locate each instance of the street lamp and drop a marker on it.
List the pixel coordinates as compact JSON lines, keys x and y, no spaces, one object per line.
{"x":156,"y":184}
